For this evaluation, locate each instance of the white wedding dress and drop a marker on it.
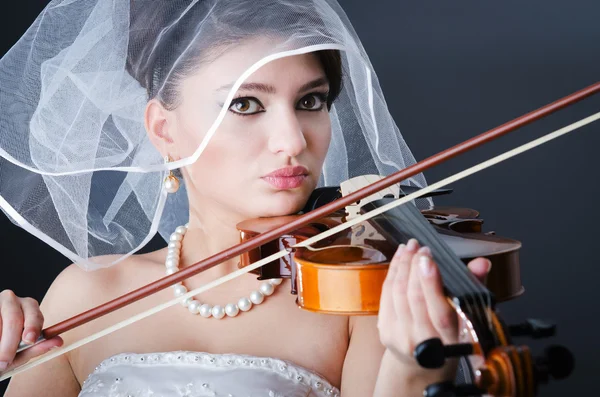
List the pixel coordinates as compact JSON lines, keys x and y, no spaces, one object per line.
{"x":192,"y":374}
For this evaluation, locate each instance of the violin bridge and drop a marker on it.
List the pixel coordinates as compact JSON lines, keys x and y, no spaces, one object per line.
{"x":365,"y":230}
{"x":359,"y":182}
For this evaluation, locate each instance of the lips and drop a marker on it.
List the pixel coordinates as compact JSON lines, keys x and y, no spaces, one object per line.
{"x":287,"y":178}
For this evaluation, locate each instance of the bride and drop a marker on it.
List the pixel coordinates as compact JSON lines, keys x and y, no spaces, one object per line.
{"x":188,"y":117}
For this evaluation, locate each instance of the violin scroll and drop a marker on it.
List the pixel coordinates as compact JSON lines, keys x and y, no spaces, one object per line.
{"x":506,"y":370}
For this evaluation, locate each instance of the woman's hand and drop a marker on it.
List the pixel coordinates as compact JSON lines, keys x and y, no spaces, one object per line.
{"x":413,"y":306}
{"x":21,"y":319}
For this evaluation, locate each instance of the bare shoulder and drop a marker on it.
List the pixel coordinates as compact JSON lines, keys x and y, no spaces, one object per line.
{"x":75,"y":290}
{"x":72,"y":292}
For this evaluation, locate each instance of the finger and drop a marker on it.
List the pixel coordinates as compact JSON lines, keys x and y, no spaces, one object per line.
{"x":34,"y":320}
{"x":422,"y":325}
{"x":34,"y":351}
{"x":393,"y":270}
{"x":480,"y":267}
{"x":401,"y":280}
{"x":441,"y":314}
{"x":12,"y":328}
{"x":386,"y":304}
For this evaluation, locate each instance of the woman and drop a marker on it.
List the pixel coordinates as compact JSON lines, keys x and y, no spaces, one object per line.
{"x":255,"y":104}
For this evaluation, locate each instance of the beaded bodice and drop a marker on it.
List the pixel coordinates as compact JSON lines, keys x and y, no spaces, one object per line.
{"x":192,"y":374}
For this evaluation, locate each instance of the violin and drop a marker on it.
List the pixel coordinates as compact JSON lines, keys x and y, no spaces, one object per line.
{"x":344,"y":273}
{"x":494,"y":365}
{"x":338,"y":277}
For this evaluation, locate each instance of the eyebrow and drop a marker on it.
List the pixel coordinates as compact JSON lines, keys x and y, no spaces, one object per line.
{"x":269,"y":89}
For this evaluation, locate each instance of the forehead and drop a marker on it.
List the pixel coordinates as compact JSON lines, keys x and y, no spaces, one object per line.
{"x":291,"y":71}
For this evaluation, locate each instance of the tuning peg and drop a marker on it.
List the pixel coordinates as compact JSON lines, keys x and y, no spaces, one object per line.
{"x":533,"y":328}
{"x":432,"y":353}
{"x":449,"y":389}
{"x":556,"y":362}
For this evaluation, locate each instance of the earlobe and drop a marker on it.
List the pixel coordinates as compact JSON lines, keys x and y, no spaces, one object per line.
{"x":156,"y":123}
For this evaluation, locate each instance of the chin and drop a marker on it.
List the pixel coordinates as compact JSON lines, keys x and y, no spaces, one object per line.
{"x":283,"y":203}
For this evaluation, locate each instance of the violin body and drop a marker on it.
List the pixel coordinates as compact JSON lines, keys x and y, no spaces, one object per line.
{"x":341,"y":278}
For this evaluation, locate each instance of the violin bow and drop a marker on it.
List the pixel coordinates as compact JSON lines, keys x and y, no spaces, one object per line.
{"x":305,"y":219}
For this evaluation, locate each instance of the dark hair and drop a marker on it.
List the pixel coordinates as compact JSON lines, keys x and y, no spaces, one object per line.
{"x":174,"y":26}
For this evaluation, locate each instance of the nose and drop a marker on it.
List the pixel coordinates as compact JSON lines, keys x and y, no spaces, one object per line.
{"x":286,"y":134}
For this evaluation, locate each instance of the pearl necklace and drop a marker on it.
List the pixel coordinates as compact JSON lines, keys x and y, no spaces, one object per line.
{"x":206,"y":310}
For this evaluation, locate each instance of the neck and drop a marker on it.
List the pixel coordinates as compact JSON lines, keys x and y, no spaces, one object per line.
{"x":209,"y":232}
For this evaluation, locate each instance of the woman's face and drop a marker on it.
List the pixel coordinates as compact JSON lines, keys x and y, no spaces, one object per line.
{"x":266,"y":156}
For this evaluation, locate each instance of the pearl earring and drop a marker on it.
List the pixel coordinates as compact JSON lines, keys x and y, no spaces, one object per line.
{"x":171,"y":184}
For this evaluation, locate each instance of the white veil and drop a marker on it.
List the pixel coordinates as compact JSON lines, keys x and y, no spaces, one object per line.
{"x":77,"y":169}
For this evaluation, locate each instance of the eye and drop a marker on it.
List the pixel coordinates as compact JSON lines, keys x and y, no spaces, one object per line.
{"x":314,"y":101}
{"x":246,"y":106}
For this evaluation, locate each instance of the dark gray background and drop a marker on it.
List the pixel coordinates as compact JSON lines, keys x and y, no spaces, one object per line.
{"x":451,"y":70}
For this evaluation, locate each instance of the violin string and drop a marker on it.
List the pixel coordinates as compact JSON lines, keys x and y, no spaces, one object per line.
{"x":450,"y":278}
{"x":452,"y":272}
{"x":413,"y":222}
{"x":455,"y":274}
{"x":430,"y":188}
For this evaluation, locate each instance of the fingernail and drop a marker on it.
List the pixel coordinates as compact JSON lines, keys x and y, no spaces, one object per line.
{"x":400,"y":249}
{"x":30,"y":337}
{"x":424,"y":251}
{"x":3,"y":365}
{"x":412,"y":245}
{"x":425,"y":265}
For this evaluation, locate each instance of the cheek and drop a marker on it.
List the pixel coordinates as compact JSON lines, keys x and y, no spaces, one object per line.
{"x":223,"y":158}
{"x":191,"y":125}
{"x":239,"y":142}
{"x":318,"y":135}
{"x":229,"y":154}
{"x":229,"y":157}
{"x":189,"y":136}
